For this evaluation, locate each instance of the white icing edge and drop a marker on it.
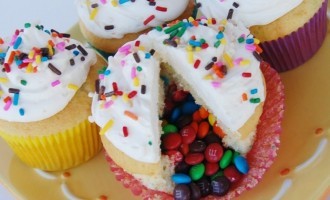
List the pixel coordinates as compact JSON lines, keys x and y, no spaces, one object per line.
{"x":284,"y":188}
{"x":317,"y":153}
{"x":45,"y":175}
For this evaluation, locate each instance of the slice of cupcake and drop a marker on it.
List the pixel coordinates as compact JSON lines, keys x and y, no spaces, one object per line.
{"x":107,"y":25}
{"x":290,"y":32}
{"x":236,"y":104}
{"x":44,"y":108}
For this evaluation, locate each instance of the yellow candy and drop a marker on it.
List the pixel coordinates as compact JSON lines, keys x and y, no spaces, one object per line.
{"x":114,"y":3}
{"x":136,"y":82}
{"x":73,"y":87}
{"x":211,"y":119}
{"x":208,"y":77}
{"x":245,"y":62}
{"x":228,"y":60}
{"x":3,"y":80}
{"x":93,"y":13}
{"x":190,"y":57}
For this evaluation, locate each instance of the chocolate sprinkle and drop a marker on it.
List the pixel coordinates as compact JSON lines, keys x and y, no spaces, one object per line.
{"x":82,"y":58}
{"x":230,"y":13}
{"x":136,"y":57}
{"x":95,"y":5}
{"x":72,"y":62}
{"x":143,"y":89}
{"x":70,"y":47}
{"x":102,"y":89}
{"x":109,"y":27}
{"x":82,"y":50}
{"x":97,"y":86}
{"x":235,"y":4}
{"x":54,"y":69}
{"x":66,"y":35}
{"x":13,"y":90}
{"x":152,"y":52}
{"x":209,"y":66}
{"x":109,"y":94}
{"x":257,"y":56}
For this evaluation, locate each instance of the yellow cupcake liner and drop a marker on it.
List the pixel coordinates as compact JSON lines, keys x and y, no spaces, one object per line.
{"x":58,"y":151}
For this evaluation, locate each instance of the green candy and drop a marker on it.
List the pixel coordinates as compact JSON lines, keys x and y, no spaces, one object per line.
{"x":170,"y":128}
{"x":219,"y":173}
{"x":197,"y":171}
{"x":226,"y":159}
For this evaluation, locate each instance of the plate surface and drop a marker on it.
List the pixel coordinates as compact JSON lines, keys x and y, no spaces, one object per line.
{"x":301,"y":170}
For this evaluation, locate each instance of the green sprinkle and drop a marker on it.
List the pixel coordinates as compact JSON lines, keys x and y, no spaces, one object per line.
{"x":202,"y":41}
{"x":27,"y":25}
{"x":150,"y":143}
{"x":158,"y":28}
{"x":23,"y":82}
{"x":217,"y":44}
{"x":255,"y":100}
{"x":139,"y":68}
{"x":240,"y":40}
{"x":174,"y":27}
{"x":182,"y":31}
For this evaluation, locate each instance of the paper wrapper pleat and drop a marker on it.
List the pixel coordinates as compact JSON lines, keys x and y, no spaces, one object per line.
{"x":58,"y":151}
{"x":293,"y":50}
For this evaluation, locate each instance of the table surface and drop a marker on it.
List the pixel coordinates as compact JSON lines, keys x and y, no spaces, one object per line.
{"x":60,"y":15}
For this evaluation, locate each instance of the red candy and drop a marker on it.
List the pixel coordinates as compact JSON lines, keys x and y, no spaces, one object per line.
{"x":203,"y":129}
{"x":211,"y":168}
{"x":175,"y":155}
{"x":197,"y":117}
{"x":194,"y":125}
{"x":179,"y":95}
{"x":172,"y":141}
{"x":194,"y":158}
{"x":184,"y":149}
{"x":213,"y":152}
{"x":232,"y":174}
{"x":188,"y":134}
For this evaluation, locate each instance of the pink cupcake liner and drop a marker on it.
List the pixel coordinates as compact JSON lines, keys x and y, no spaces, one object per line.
{"x":291,"y":51}
{"x":260,"y":157}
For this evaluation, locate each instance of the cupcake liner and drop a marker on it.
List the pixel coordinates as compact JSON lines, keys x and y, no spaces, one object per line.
{"x":57,"y":151}
{"x":260,"y":157}
{"x":291,"y":51}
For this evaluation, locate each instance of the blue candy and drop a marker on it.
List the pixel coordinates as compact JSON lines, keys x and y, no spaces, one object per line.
{"x":176,"y":113}
{"x":181,"y":178}
{"x":189,"y":107}
{"x":241,"y":164}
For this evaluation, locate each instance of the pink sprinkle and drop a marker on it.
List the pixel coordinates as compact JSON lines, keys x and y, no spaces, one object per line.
{"x":124,"y":48}
{"x":133,"y":72}
{"x":55,"y":83}
{"x":215,"y":84}
{"x":250,"y":47}
{"x":122,"y":63}
{"x":13,"y":40}
{"x":219,"y":63}
{"x":101,"y":76}
{"x":60,"y":46}
{"x":7,"y":105}
{"x":108,"y":104}
{"x":103,"y":1}
{"x":237,"y":61}
{"x":28,"y":60}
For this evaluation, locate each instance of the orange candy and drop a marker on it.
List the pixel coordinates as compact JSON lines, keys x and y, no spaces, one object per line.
{"x":197,"y":117}
{"x":203,"y":129}
{"x":203,"y":113}
{"x":217,"y":130}
{"x":194,"y":124}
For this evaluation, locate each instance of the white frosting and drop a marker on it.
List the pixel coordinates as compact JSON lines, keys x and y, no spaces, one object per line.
{"x":222,"y":95}
{"x":45,"y":92}
{"x":128,"y":17}
{"x":252,"y":12}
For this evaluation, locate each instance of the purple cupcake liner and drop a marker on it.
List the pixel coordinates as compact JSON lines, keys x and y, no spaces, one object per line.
{"x":291,"y":51}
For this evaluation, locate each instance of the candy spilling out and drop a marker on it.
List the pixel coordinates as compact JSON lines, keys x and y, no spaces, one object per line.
{"x":191,"y":138}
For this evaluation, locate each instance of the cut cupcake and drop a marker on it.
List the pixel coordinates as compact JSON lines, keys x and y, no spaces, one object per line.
{"x":107,"y":25}
{"x":214,"y":60}
{"x":44,"y":85}
{"x":290,"y":32}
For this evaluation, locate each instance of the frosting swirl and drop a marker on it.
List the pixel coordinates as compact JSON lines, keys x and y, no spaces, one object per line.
{"x":254,"y":12}
{"x":221,"y":66}
{"x":42,"y":70}
{"x":114,"y":19}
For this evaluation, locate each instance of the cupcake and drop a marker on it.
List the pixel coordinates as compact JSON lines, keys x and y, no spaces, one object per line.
{"x":44,"y":85}
{"x":107,"y":25}
{"x":290,"y":32}
{"x":207,"y":130}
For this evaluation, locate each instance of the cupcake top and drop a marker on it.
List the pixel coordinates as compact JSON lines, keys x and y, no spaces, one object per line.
{"x":254,"y":12}
{"x":218,"y":61}
{"x":41,"y":72}
{"x":114,"y":19}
